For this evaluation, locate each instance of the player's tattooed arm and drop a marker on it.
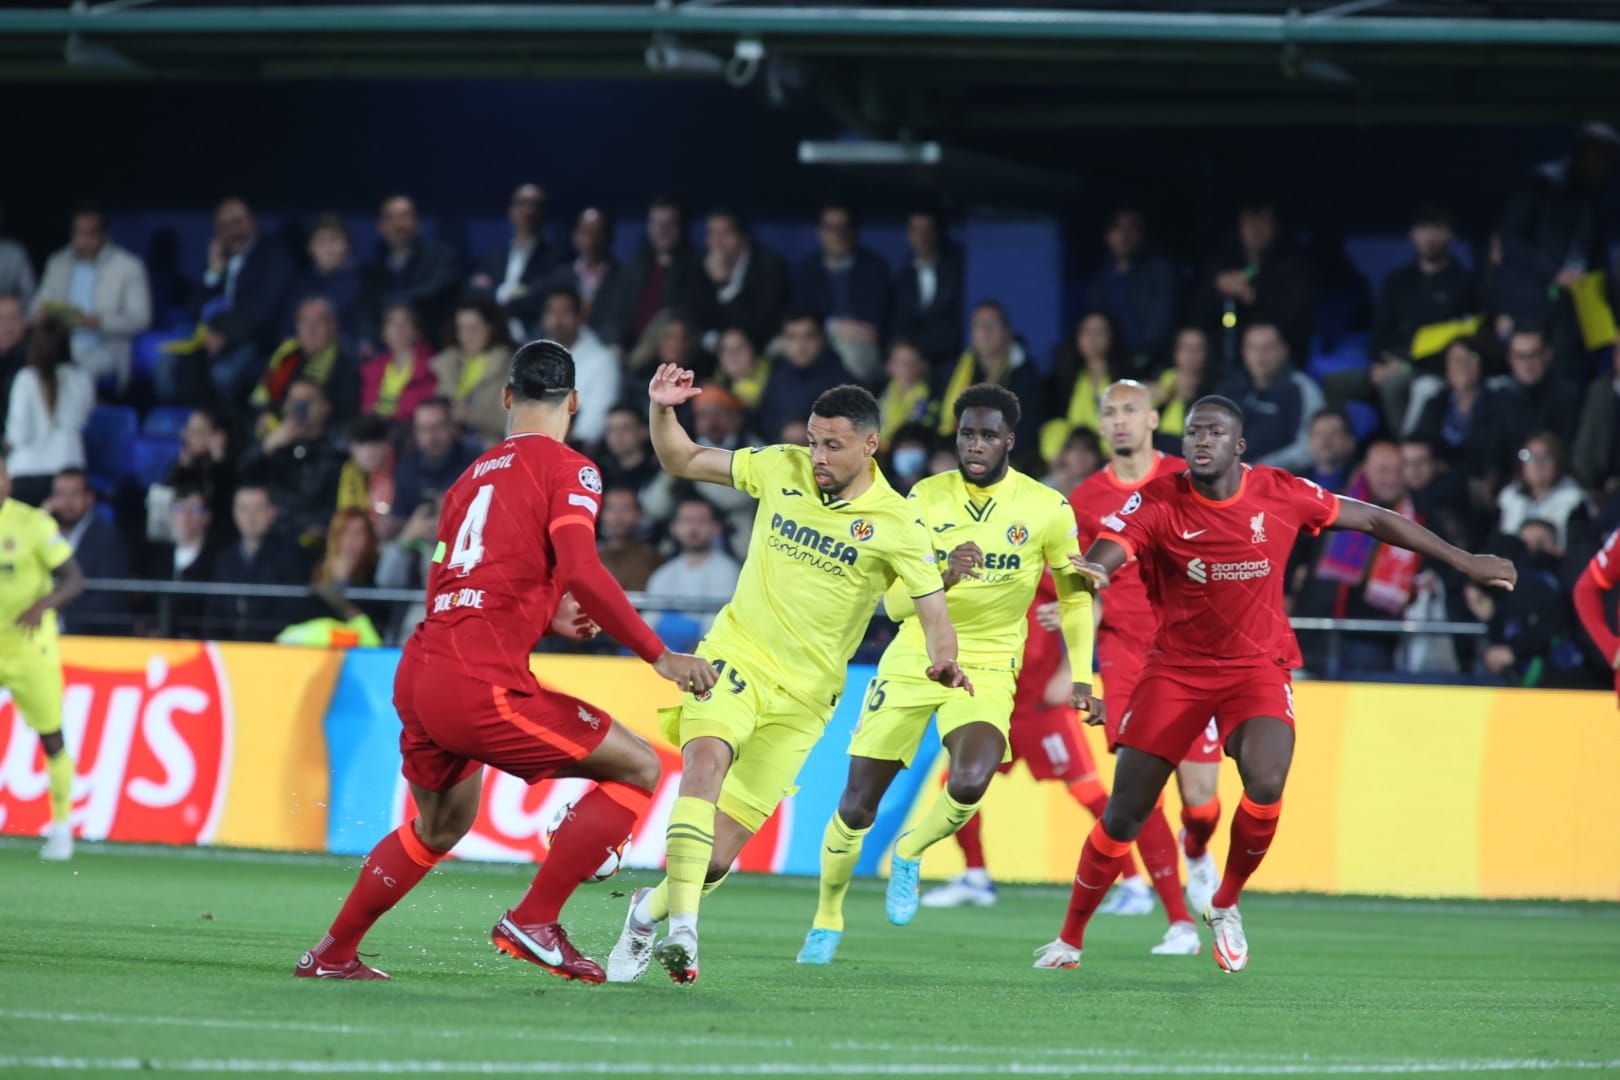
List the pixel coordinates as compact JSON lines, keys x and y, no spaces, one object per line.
{"x":69,"y":581}
{"x":1391,"y":528}
{"x":941,"y":638}
{"x":671,"y":386}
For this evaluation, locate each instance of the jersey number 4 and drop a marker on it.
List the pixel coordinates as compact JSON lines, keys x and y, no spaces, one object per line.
{"x":468,"y":551}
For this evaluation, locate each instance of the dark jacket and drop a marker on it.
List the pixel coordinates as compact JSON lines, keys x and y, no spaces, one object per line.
{"x":263,"y":285}
{"x":253,"y":618}
{"x":1141,"y":301}
{"x":187,"y":616}
{"x":1285,"y":296}
{"x":603,"y":306}
{"x":537,"y":270}
{"x":416,"y":478}
{"x":1473,"y":445}
{"x":619,"y":316}
{"x":758,"y":306}
{"x":302,"y":478}
{"x":1546,"y":224}
{"x":100,"y":553}
{"x":1411,"y":298}
{"x":341,"y":288}
{"x":791,"y":391}
{"x":937,"y":328}
{"x":866,"y":296}
{"x":1550,"y":405}
{"x":1596,"y":453}
{"x":1276,"y":420}
{"x":427,"y":281}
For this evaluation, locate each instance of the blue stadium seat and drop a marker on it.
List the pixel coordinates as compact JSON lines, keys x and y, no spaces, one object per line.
{"x":1364,"y":419}
{"x":107,"y":440}
{"x":166,"y":421}
{"x":680,"y":631}
{"x":148,"y":347}
{"x":150,"y":456}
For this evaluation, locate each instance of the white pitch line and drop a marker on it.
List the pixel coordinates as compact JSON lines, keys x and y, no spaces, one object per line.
{"x":778,"y":1068}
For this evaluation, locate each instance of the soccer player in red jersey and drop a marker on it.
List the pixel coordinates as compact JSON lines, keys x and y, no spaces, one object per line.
{"x":1599,"y":577}
{"x":1212,"y":543}
{"x":517,"y":532}
{"x":1124,"y":638}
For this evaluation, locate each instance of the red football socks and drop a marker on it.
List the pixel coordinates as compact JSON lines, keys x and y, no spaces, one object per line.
{"x":598,"y":823}
{"x":970,"y":839}
{"x":1090,"y":794}
{"x":1158,"y":849}
{"x":1200,"y":822}
{"x":393,"y":868}
{"x":1101,"y":860}
{"x":1253,"y":826}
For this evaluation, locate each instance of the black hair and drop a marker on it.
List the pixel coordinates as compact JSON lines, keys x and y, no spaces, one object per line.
{"x":737,"y":220}
{"x":802,"y":315}
{"x":989,"y":396}
{"x":840,"y":205}
{"x":191,"y":491}
{"x":491,"y":314}
{"x":853,"y":403}
{"x":1226,"y":404}
{"x":371,"y":428}
{"x":1337,"y":414}
{"x":437,"y":401}
{"x":541,"y":371}
{"x":92,"y":209}
{"x":1431,"y":214}
{"x":668,"y":202}
{"x":746,"y":336}
{"x":995,"y":306}
{"x":564,"y":290}
{"x":1086,"y":436}
{"x":76,"y":473}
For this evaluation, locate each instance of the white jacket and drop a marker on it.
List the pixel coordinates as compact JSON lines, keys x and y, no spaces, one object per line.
{"x":41,"y":442}
{"x":123,"y":301}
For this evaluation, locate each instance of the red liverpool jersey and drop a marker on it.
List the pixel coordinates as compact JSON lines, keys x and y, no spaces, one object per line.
{"x":1126,"y":614}
{"x":493,"y":591}
{"x":1214,"y":570}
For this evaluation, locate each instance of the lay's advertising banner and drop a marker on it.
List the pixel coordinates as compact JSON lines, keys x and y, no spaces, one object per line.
{"x":1398,"y":790}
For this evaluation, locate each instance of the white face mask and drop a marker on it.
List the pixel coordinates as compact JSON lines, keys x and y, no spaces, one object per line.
{"x":910,"y":461}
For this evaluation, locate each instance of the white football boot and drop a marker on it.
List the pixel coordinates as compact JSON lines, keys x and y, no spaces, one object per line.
{"x":1231,"y":947}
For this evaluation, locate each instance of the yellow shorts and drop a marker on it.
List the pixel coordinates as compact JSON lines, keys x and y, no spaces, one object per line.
{"x":769,"y":730}
{"x":897,"y":707}
{"x":32,"y":671}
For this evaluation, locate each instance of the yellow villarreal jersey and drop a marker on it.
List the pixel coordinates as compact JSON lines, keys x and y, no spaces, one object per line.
{"x":1022,"y":526}
{"x":31,"y":546}
{"x":816,"y":567}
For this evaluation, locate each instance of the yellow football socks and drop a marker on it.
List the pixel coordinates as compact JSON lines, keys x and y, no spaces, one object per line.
{"x":654,"y":907}
{"x":942,"y":820}
{"x":689,"y":842}
{"x":840,"y":850}
{"x":59,"y":769}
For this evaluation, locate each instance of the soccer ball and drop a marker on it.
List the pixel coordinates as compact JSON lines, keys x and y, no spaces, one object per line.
{"x":613,"y":856}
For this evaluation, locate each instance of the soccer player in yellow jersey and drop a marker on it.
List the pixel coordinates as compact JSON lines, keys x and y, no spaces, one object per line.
{"x":829,"y":538}
{"x":1003,"y":529}
{"x":37,"y":575}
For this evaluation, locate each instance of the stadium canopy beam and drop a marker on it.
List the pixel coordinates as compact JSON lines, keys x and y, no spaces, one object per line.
{"x":1028,"y":24}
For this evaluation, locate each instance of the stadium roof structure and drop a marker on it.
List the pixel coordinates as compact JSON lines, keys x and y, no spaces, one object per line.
{"x":899,"y":69}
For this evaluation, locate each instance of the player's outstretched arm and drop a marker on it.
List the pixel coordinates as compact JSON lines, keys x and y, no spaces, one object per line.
{"x":1589,"y":606}
{"x":1392,"y":528}
{"x":671,"y":386}
{"x":941,"y":638}
{"x":69,"y":580}
{"x":1079,"y":637}
{"x":1100,"y":562}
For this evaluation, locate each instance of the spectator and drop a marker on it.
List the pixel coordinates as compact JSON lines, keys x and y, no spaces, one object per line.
{"x":1080,"y":456}
{"x":366,"y":481}
{"x":515,"y":275}
{"x":909,"y":448}
{"x":190,"y":559}
{"x":400,"y":377}
{"x":333,"y":274}
{"x":260,"y":556}
{"x":1259,"y":280}
{"x":627,"y":459}
{"x":1440,"y":497}
{"x":1466,"y":422}
{"x":665,"y":273}
{"x":597,"y":374}
{"x":593,"y":273}
{"x":407,"y":269}
{"x":850,"y":285}
{"x":943,"y":459}
{"x":1188,"y":378}
{"x":1331,"y":443}
{"x":350,"y":560}
{"x":1530,"y":637}
{"x":805,"y":369}
{"x":245,"y":291}
{"x":671,"y":338}
{"x":316,"y":353}
{"x":1554,"y":231}
{"x":100,"y":551}
{"x":702,"y":571}
{"x":1544,"y":492}
{"x":928,"y":290}
{"x":1137,"y":288}
{"x":744,"y":283}
{"x":16,"y":272}
{"x":1597,"y":445}
{"x":1533,"y":397}
{"x":742,"y":368}
{"x":13,"y":347}
{"x":1432,"y":289}
{"x":794,"y":432}
{"x":298,"y":462}
{"x":907,"y":399}
{"x":50,"y":403}
{"x":204,"y":465}
{"x":628,"y":557}
{"x":472,"y":372}
{"x":433,"y":462}
{"x":1278,"y":401}
{"x":404,"y":563}
{"x":994,"y":355}
{"x":99,"y":290}
{"x":717,"y":421}
{"x":1081,"y":378}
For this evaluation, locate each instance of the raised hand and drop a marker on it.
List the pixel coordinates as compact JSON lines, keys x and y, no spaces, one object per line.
{"x":672,"y":386}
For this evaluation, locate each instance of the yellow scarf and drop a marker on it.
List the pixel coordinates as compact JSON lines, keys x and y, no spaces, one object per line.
{"x":901,"y":407}
{"x":751,"y":390}
{"x":473,"y":370}
{"x":1173,"y":413}
{"x":965,"y":375}
{"x":394,"y":381}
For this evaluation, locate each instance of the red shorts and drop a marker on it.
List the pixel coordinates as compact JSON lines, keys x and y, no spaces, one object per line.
{"x":1050,"y":742}
{"x":1169,"y":714}
{"x":1121,"y":669}
{"x":453,"y":725}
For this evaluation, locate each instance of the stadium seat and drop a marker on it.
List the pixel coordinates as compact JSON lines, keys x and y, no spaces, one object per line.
{"x":148,"y":347}
{"x":166,"y":421}
{"x":150,"y":455}
{"x":108,"y":437}
{"x":681,"y":632}
{"x":1364,"y":419}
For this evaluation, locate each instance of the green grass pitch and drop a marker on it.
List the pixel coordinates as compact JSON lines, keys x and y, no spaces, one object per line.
{"x":143,"y":960}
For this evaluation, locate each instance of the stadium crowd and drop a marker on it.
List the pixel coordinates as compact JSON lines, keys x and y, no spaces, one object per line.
{"x":319,"y":399}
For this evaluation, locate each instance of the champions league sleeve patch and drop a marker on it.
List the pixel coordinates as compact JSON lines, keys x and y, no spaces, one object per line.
{"x":590,"y":480}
